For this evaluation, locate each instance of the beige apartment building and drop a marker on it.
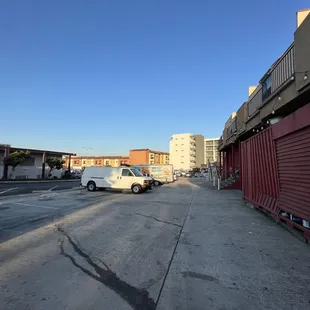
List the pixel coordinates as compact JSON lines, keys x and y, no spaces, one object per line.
{"x":187,"y":151}
{"x":211,"y":150}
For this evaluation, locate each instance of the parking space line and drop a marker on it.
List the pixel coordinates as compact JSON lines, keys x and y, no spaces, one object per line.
{"x":8,"y":190}
{"x":31,"y":205}
{"x":52,"y":188}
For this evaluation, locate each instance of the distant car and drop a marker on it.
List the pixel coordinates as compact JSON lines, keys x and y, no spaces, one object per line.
{"x":188,"y":175}
{"x":76,"y":174}
{"x":157,"y":182}
{"x":154,"y":181}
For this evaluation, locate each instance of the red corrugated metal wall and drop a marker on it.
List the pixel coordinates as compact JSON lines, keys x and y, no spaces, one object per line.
{"x":275,"y":166}
{"x":259,"y":171}
{"x":292,"y":136}
{"x":293,"y":154}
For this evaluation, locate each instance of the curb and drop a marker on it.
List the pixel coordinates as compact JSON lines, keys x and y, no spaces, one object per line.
{"x":34,"y":181}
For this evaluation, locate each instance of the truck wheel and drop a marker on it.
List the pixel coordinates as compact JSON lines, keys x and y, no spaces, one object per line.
{"x":156,"y":183}
{"x":91,"y":186}
{"x":136,"y":189}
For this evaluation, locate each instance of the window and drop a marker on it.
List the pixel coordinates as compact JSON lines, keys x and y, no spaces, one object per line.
{"x":136,"y":172}
{"x":84,"y":162}
{"x":96,"y":162}
{"x":107,"y":163}
{"x":266,"y":88}
{"x":75,"y":162}
{"x":127,"y":173}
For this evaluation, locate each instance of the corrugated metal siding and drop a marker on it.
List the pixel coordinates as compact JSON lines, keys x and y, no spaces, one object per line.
{"x":293,"y":155}
{"x":259,"y":171}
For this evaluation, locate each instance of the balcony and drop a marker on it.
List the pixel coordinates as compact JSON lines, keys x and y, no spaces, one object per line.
{"x":255,"y":101}
{"x":232,"y":128}
{"x":280,"y":73}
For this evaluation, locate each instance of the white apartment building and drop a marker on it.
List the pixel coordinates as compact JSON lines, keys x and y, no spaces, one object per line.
{"x":211,"y":150}
{"x":187,"y":151}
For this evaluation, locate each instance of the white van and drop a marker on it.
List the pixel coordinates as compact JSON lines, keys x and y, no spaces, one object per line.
{"x":116,"y":178}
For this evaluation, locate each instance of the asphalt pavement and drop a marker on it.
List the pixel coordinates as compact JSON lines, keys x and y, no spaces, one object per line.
{"x":17,"y":188}
{"x":181,"y":246}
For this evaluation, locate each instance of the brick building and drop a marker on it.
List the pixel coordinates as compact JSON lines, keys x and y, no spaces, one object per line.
{"x":77,"y":162}
{"x":148,"y":157}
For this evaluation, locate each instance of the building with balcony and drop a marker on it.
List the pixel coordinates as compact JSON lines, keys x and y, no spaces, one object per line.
{"x":211,"y":150}
{"x":148,"y":157}
{"x":187,"y":151}
{"x":264,"y":149}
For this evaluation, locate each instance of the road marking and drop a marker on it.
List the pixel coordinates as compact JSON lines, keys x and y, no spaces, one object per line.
{"x":52,"y":188}
{"x":8,"y":190}
{"x":30,"y":205}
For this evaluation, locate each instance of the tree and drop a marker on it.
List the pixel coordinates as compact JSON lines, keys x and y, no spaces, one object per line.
{"x":54,"y":163}
{"x":15,"y":159}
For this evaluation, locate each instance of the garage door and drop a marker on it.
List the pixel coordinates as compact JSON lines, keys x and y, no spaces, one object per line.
{"x":293,"y":156}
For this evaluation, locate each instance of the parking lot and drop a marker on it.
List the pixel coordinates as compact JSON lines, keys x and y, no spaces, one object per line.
{"x":19,"y":187}
{"x":181,"y":246}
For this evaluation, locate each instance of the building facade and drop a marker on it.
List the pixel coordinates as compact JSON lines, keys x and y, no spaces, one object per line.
{"x":148,"y":157}
{"x":211,"y":150}
{"x":187,"y":151}
{"x":34,"y":167}
{"x":79,"y":162}
{"x":264,"y":150}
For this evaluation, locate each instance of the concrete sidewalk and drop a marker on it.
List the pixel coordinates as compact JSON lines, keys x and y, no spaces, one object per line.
{"x":232,"y":257}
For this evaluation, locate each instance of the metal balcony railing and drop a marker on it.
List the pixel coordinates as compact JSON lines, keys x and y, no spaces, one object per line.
{"x":279,"y":73}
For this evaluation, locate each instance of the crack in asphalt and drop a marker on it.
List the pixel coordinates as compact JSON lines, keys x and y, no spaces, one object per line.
{"x":157,"y":220}
{"x":137,"y":298}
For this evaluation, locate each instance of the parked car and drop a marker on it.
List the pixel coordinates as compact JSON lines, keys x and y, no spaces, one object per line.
{"x":116,"y":178}
{"x":76,"y":174}
{"x":154,"y":181}
{"x":188,"y":175}
{"x":157,"y":182}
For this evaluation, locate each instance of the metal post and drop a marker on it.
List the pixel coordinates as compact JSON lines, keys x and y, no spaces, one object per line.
{"x":232,"y":158}
{"x":214,"y":180}
{"x":43,"y":165}
{"x":6,"y":167}
{"x":219,"y":183}
{"x":220,"y":160}
{"x":69,"y":164}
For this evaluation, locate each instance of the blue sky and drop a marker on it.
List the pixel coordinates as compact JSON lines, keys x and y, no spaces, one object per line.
{"x":114,"y":75}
